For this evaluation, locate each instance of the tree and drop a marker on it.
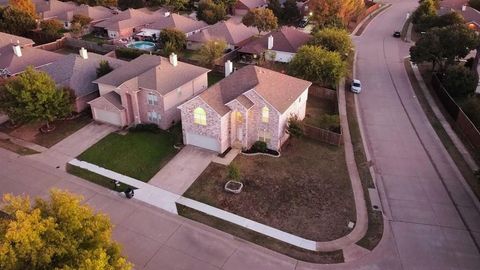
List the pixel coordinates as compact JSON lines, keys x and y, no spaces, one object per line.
{"x":175,"y":38}
{"x":103,"y":68}
{"x":336,"y":13}
{"x":81,"y":19}
{"x":16,"y":22}
{"x":424,"y":16}
{"x":474,"y":4}
{"x":334,"y":40}
{"x":276,"y":8}
{"x":32,"y":96}
{"x":295,"y":127}
{"x":290,"y":12}
{"x":211,"y":12}
{"x":317,"y":65}
{"x":59,"y":233}
{"x":211,"y":51}
{"x":51,"y":27}
{"x":125,"y":4}
{"x":261,"y":18}
{"x":24,"y":5}
{"x":106,"y":3}
{"x":459,"y":81}
{"x":451,"y":18}
{"x":444,"y":45}
{"x":472,"y":109}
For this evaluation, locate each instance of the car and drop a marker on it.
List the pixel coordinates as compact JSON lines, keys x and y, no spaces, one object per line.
{"x":397,"y":34}
{"x":356,"y":86}
{"x":303,"y":23}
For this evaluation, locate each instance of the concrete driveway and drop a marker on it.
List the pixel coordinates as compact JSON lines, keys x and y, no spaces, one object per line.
{"x":183,"y":169}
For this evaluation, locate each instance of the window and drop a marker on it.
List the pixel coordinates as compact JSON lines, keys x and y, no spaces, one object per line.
{"x":153,"y":117}
{"x":264,"y":136}
{"x":200,"y":116}
{"x":152,"y":99}
{"x":239,"y":117}
{"x":265,"y":114}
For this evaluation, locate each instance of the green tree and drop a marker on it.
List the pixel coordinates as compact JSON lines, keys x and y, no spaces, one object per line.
{"x":125,"y":4}
{"x":103,"y":68}
{"x":459,"y":81}
{"x":333,"y":39}
{"x":59,"y":233}
{"x":295,"y":127}
{"x":211,"y":12}
{"x":211,"y":51}
{"x":290,"y":12}
{"x":16,"y":22}
{"x":276,"y":8}
{"x":449,"y":19}
{"x":318,"y":65}
{"x":474,"y":4}
{"x":175,"y":38}
{"x":81,"y":19}
{"x":261,"y":18}
{"x":424,"y":16}
{"x":51,"y":27}
{"x":32,"y":96}
{"x":23,"y":5}
{"x":472,"y":109}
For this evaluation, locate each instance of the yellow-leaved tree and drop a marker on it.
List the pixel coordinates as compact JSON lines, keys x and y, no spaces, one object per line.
{"x":59,"y":233}
{"x":24,"y":5}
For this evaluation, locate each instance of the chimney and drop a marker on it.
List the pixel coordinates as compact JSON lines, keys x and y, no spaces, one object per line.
{"x":464,"y":7}
{"x":270,"y":42}
{"x":166,"y":14}
{"x":83,"y":53}
{"x":228,"y":68}
{"x":17,"y":50}
{"x":173,"y":59}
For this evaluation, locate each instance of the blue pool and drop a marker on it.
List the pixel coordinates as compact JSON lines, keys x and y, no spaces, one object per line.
{"x":142,"y":45}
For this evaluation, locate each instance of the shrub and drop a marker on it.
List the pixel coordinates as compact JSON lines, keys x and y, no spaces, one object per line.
{"x":260,"y":146}
{"x":295,"y":126}
{"x":145,"y":127}
{"x":330,"y":122}
{"x":472,"y":109}
{"x":233,"y":172}
{"x":128,"y":53}
{"x":459,"y":81}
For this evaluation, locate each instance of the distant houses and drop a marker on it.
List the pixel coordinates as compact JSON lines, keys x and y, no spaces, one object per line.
{"x":184,"y":24}
{"x":234,"y":34}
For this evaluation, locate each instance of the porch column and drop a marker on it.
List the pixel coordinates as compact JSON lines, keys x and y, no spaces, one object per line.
{"x":136,"y":109}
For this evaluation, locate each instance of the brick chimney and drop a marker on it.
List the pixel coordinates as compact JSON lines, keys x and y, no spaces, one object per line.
{"x":17,"y":50}
{"x":228,"y":68}
{"x":270,"y":42}
{"x":83,"y":53}
{"x":173,"y":59}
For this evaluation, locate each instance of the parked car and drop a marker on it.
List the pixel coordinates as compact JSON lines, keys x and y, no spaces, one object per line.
{"x":303,"y":23}
{"x":397,"y":34}
{"x":356,"y":86}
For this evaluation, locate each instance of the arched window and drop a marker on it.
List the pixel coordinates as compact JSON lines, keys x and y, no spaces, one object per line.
{"x":265,"y":114}
{"x":200,"y":116}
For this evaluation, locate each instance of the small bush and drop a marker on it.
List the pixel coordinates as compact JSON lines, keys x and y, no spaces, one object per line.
{"x":128,"y":53}
{"x":330,"y":122}
{"x":233,"y":172}
{"x":459,"y":81}
{"x":260,"y":146}
{"x":295,"y":127}
{"x":472,"y":110}
{"x":145,"y":127}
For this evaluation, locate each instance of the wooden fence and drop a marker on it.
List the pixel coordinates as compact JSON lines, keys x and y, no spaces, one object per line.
{"x":90,"y":46}
{"x":322,"y":92}
{"x":323,"y":135}
{"x":53,"y":46}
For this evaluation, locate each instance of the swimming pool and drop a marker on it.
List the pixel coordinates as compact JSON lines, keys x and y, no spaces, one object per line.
{"x":142,"y":45}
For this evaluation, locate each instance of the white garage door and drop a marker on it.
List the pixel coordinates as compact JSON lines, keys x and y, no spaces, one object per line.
{"x":108,"y":117}
{"x":203,"y":141}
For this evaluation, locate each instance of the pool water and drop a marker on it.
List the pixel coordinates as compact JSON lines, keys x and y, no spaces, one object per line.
{"x":142,"y":45}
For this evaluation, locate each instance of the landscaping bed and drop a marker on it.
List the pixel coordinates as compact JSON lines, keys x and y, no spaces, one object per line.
{"x":9,"y":145}
{"x":139,"y":154}
{"x":306,"y":192}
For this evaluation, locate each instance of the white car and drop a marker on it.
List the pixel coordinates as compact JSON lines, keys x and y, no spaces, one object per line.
{"x":356,"y":86}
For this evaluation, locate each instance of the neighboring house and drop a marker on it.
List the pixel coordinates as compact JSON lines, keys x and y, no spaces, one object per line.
{"x":77,"y":72}
{"x":252,"y":104}
{"x":243,"y":6}
{"x":471,"y":15}
{"x":453,"y":4}
{"x":127,"y":22}
{"x":187,"y":25}
{"x":97,"y":14}
{"x":147,"y":89}
{"x":279,"y":45}
{"x":234,"y":34}
{"x":17,"y":53}
{"x":52,"y":9}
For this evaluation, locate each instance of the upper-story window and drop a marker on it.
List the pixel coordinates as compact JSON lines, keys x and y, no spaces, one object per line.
{"x":200,"y":116}
{"x":152,"y":99}
{"x":265,"y":114}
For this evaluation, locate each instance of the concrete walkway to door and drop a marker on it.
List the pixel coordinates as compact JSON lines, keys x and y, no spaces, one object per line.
{"x":183,"y":169}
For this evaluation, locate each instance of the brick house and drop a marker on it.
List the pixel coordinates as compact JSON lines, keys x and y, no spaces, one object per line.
{"x":147,"y":89}
{"x":249,"y":105}
{"x":243,"y":6}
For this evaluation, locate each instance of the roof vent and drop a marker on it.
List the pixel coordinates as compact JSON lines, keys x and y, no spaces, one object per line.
{"x":83,"y":53}
{"x":173,"y":59}
{"x":464,"y":7}
{"x":270,"y":42}
{"x":228,"y":68}
{"x":17,"y":50}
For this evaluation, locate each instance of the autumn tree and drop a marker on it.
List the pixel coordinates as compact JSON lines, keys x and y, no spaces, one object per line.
{"x":335,"y":12}
{"x":318,"y":65}
{"x":211,"y":51}
{"x":33,"y":96}
{"x":333,"y":39}
{"x":424,"y":16}
{"x":16,"y":22}
{"x":261,"y":18}
{"x":24,"y":5}
{"x":58,"y":233}
{"x":211,"y":12}
{"x":175,"y":39}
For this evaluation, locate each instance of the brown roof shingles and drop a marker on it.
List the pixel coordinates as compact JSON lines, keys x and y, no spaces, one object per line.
{"x":232,"y":33}
{"x":179,"y":22}
{"x":286,"y":39}
{"x":30,"y":57}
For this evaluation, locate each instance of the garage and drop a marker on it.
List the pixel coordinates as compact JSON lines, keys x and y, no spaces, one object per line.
{"x":107,"y":117}
{"x":203,"y":141}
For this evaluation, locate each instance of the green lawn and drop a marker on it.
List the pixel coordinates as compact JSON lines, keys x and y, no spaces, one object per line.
{"x":137,"y":154}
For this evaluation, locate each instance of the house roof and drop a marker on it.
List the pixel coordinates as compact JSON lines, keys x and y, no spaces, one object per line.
{"x":231,"y":32}
{"x":53,"y":8}
{"x":253,"y":3}
{"x":30,"y":57}
{"x":179,"y":22}
{"x":470,"y":14}
{"x":245,"y":101}
{"x":8,"y":39}
{"x":131,"y":18}
{"x":96,"y":13}
{"x":114,"y":98}
{"x":286,"y":39}
{"x":153,"y":72}
{"x":455,"y":4}
{"x":278,"y":89}
{"x":77,"y":73}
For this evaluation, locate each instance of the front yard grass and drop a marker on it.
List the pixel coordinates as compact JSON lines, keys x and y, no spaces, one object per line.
{"x":214,"y":77}
{"x":96,"y":178}
{"x":139,"y":154}
{"x":306,"y":192}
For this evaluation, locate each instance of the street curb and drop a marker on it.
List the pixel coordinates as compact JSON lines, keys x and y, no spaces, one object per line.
{"x":374,"y":14}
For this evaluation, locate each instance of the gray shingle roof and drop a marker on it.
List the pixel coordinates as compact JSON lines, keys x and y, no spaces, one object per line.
{"x":8,"y":40}
{"x":30,"y":57}
{"x":232,"y":33}
{"x":286,"y":39}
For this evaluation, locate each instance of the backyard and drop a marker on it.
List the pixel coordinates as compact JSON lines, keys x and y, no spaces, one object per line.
{"x":139,"y":154}
{"x":306,"y":192}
